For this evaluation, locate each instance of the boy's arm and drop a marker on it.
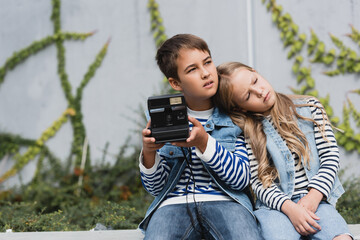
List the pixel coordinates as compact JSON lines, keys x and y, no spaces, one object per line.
{"x":154,"y":178}
{"x":154,"y":170}
{"x":231,"y":167}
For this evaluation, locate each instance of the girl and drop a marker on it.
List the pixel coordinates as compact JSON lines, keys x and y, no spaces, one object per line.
{"x":294,"y":158}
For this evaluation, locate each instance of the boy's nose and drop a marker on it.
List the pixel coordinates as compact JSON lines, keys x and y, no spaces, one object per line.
{"x":205,"y":73}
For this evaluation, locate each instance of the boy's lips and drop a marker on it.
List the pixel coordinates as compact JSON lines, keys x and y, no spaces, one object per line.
{"x":208,"y":84}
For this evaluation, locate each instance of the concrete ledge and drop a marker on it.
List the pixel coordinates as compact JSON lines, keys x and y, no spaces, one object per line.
{"x":103,"y":235}
{"x":355,"y":230}
{"x":78,"y":235}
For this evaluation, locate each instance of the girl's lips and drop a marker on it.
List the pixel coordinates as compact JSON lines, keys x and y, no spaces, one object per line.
{"x":208,"y":84}
{"x":267,"y":97}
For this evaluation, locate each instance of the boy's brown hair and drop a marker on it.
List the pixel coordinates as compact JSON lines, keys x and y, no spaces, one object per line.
{"x":168,"y":52}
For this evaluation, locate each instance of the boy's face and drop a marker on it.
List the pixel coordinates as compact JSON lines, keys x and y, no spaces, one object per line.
{"x":252,"y":92}
{"x":198,"y":78}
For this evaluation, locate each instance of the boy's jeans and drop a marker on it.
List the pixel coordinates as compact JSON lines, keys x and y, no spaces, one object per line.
{"x":220,"y":219}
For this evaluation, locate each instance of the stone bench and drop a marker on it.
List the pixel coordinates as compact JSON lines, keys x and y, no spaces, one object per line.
{"x":103,"y":235}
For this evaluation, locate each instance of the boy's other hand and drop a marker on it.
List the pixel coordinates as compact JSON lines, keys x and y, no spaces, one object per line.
{"x":198,"y":136}
{"x":149,"y":147}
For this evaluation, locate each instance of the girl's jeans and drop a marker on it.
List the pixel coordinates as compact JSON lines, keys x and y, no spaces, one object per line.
{"x":276,"y":225}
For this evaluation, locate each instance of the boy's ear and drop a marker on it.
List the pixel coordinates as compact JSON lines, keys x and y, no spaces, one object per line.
{"x":175,"y":84}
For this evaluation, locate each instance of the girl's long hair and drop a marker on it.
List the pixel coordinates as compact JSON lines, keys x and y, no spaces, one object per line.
{"x":283,"y":115}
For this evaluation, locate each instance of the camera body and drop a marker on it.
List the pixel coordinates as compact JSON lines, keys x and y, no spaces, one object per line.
{"x":169,"y":119}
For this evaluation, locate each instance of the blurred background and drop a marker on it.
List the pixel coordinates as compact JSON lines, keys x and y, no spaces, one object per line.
{"x":75,"y":77}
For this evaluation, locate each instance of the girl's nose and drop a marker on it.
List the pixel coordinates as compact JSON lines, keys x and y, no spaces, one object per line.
{"x":258,"y":92}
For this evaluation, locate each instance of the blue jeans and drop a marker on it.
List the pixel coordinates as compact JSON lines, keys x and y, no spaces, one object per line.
{"x":219,"y":220}
{"x":276,"y":225}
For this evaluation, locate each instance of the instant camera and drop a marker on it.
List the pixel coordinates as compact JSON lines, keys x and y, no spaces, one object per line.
{"x":169,"y":119}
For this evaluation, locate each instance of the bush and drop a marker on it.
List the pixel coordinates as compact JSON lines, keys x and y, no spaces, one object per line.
{"x":24,"y":217}
{"x":349,"y":203}
{"x":110,"y":194}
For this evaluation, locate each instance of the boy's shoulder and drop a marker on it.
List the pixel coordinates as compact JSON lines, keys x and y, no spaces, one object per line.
{"x":221,"y":119}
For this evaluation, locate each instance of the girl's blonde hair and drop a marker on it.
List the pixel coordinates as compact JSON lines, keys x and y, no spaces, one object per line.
{"x":283,"y":115}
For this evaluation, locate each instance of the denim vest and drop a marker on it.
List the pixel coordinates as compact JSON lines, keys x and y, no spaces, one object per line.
{"x":219,"y":126}
{"x":284,"y":161}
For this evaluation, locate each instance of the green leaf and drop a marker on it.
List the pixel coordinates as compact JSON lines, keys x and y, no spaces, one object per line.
{"x":310,"y":82}
{"x":349,"y":146}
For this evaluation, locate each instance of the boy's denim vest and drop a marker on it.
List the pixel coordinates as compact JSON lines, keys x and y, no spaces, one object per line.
{"x":284,"y":161}
{"x":225,"y":132}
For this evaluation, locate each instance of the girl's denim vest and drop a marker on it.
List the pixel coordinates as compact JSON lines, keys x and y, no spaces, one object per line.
{"x":225,"y":132}
{"x":284,"y":161}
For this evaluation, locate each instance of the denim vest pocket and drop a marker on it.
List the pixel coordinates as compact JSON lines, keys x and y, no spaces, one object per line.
{"x":171,"y":152}
{"x":228,"y":144}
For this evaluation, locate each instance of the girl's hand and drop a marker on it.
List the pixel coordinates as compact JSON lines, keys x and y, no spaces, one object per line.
{"x":302,"y":220}
{"x":198,"y":136}
{"x":311,"y":200}
{"x":149,"y":147}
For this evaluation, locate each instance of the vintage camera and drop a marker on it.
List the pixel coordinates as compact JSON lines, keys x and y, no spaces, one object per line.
{"x":169,"y":119}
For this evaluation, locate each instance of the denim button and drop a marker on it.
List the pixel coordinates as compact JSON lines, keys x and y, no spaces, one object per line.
{"x":171,"y":153}
{"x":208,"y":125}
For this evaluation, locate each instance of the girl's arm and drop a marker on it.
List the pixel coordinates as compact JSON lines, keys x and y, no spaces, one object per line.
{"x":302,"y":220}
{"x":321,"y":184}
{"x":272,"y":196}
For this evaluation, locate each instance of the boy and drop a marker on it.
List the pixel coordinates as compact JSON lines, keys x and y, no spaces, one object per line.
{"x":198,"y":184}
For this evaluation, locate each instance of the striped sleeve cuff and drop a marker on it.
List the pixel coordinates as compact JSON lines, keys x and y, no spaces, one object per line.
{"x":317,"y":185}
{"x":149,"y":171}
{"x":210,"y":150}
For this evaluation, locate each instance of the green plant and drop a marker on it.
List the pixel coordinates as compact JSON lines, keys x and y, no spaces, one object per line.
{"x":348,"y":205}
{"x":347,"y":62}
{"x":11,"y":145}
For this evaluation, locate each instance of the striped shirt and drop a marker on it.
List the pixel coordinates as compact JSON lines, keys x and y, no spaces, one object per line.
{"x":324,"y":179}
{"x":231,"y":167}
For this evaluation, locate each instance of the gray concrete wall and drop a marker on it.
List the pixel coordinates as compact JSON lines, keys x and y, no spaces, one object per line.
{"x":31,"y":97}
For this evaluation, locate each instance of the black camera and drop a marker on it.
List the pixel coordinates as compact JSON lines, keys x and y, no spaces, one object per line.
{"x":169,"y":119}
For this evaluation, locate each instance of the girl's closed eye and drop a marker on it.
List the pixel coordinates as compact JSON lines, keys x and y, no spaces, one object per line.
{"x":248,"y":96}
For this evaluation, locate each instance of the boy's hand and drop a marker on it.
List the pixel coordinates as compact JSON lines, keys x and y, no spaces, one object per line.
{"x":149,"y":147}
{"x":302,"y":219}
{"x":198,"y":136}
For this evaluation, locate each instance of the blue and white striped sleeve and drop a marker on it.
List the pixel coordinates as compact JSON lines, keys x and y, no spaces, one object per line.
{"x":154,"y":179}
{"x":231,"y":167}
{"x":328,"y":151}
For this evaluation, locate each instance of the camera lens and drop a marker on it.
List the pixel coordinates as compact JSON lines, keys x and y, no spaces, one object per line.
{"x":168,"y":120}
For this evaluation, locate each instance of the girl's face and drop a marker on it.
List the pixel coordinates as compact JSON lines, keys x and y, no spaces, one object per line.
{"x":251,"y":92}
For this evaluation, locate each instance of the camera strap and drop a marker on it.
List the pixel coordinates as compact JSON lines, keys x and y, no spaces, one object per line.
{"x":197,"y":213}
